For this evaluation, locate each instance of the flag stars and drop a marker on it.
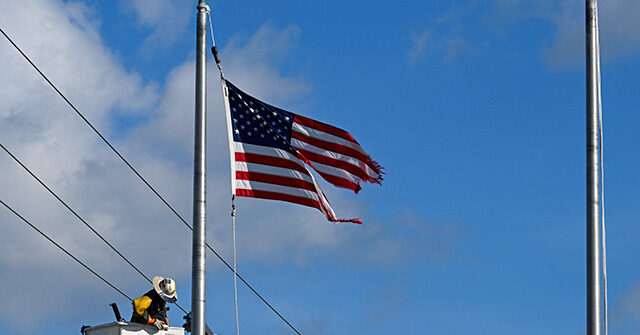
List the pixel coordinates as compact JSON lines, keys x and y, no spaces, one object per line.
{"x":237,"y":131}
{"x":286,"y":118}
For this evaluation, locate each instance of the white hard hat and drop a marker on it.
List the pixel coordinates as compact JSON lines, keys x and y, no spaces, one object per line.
{"x":166,"y":288}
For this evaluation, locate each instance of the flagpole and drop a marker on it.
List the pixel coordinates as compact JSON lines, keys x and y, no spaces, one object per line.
{"x":198,"y":269}
{"x":593,"y":182}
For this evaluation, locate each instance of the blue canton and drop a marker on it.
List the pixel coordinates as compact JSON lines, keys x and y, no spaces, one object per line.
{"x":255,"y":122}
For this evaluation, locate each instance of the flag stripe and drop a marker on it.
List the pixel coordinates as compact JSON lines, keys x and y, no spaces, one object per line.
{"x":334,"y":171}
{"x":312,"y":156}
{"x":366,"y":169}
{"x":292,"y":191}
{"x":279,"y":180}
{"x":324,"y":127}
{"x":272,"y":170}
{"x":321,"y":135}
{"x":329,"y":147}
{"x":265,"y":151}
{"x":268,"y":160}
{"x":340,"y":182}
{"x":277,"y":196}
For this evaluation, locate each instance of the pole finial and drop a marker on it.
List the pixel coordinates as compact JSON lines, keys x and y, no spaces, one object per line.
{"x":203,"y":6}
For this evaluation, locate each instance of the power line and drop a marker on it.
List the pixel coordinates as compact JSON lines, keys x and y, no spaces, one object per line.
{"x":254,"y":291}
{"x":141,"y":177}
{"x":64,"y":250}
{"x":80,"y":218}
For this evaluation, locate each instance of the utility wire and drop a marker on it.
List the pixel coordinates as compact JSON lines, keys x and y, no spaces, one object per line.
{"x":254,"y":291}
{"x":91,"y":126}
{"x":141,"y":177}
{"x":80,"y":218}
{"x":65,"y":251}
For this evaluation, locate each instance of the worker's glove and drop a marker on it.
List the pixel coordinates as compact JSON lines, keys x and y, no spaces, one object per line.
{"x":159,"y":324}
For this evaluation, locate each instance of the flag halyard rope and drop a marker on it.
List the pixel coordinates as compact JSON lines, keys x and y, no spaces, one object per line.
{"x":603,"y":227}
{"x":214,"y":48}
{"x":235,"y":265}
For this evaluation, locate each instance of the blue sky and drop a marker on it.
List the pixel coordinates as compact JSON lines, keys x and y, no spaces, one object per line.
{"x":476,"y":110}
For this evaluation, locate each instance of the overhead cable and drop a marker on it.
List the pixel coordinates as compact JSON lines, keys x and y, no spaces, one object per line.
{"x":79,"y":217}
{"x":65,"y":250}
{"x":142,"y":178}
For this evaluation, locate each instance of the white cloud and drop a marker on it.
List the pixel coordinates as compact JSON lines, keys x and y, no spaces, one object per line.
{"x":619,"y":31}
{"x":42,"y":130}
{"x":419,"y":45}
{"x":625,"y":314}
{"x":446,"y":37}
{"x":471,"y":26}
{"x":167,"y":19}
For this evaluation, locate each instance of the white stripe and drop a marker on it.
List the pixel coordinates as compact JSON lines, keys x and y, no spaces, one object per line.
{"x":321,"y":135}
{"x":272,"y":170}
{"x":335,"y":155}
{"x":334,"y":171}
{"x":266,"y":151}
{"x":259,"y":186}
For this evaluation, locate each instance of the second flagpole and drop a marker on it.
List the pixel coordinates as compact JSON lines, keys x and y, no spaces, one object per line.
{"x":593,"y":168}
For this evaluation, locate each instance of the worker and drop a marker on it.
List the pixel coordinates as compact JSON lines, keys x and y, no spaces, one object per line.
{"x":150,"y":308}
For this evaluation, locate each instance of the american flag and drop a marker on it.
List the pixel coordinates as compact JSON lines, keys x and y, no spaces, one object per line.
{"x":271,"y":150}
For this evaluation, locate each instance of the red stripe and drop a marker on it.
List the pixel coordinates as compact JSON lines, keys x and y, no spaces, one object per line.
{"x":324,"y":127}
{"x":269,"y":160}
{"x":340,"y":182}
{"x":355,"y":170}
{"x":272,"y":179}
{"x":341,"y":149}
{"x":241,"y":192}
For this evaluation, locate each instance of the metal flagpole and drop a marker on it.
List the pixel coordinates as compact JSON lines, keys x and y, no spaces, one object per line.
{"x":593,"y":166}
{"x":198,"y":270}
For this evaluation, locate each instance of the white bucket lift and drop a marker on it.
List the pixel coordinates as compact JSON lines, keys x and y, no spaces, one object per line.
{"x":124,"y":328}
